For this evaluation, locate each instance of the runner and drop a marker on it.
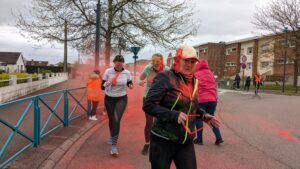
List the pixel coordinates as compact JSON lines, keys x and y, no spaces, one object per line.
{"x":149,"y":72}
{"x":114,"y":82}
{"x":173,"y":101}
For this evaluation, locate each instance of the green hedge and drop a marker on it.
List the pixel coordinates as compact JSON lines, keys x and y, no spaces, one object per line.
{"x":43,"y":69}
{"x":272,"y":87}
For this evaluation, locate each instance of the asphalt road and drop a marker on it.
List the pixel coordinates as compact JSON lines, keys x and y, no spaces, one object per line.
{"x":259,"y":132}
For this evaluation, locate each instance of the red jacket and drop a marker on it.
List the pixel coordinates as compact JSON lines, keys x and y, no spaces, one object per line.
{"x":207,"y":83}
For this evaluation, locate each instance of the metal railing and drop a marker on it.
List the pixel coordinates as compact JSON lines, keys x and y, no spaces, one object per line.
{"x":39,"y":128}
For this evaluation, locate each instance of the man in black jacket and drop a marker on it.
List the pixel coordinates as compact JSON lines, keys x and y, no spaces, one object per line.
{"x":173,"y":101}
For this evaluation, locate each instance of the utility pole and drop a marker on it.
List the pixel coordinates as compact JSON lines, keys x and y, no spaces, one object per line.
{"x":66,"y":46}
{"x":97,"y":45}
{"x":285,"y":58}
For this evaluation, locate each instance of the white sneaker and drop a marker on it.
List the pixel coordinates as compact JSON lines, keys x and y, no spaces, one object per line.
{"x":93,"y":118}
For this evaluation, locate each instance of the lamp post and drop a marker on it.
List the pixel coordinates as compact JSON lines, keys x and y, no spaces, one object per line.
{"x":97,"y":43}
{"x":285,"y":58}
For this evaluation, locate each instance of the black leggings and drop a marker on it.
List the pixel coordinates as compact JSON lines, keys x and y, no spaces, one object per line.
{"x":148,"y":126}
{"x":163,"y":152}
{"x":115,"y":107}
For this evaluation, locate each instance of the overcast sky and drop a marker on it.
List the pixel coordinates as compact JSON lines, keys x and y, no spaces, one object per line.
{"x":221,"y":20}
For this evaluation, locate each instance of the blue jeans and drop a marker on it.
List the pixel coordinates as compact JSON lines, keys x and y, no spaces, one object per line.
{"x":209,"y":107}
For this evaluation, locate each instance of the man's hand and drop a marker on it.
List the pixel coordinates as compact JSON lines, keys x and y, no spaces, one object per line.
{"x":212,"y":121}
{"x":141,"y":82}
{"x":130,"y":86}
{"x":182,"y":118}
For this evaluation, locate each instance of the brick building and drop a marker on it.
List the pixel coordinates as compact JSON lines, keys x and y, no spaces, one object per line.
{"x":214,"y":53}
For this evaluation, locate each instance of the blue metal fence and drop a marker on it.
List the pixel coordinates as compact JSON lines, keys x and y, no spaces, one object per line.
{"x":39,"y":130}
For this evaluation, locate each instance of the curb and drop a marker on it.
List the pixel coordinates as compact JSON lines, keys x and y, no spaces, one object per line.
{"x":62,"y":155}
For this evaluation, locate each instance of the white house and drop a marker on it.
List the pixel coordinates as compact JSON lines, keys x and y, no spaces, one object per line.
{"x":12,"y":62}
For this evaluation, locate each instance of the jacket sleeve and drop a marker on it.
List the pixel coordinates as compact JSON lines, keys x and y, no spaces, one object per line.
{"x":153,"y":103}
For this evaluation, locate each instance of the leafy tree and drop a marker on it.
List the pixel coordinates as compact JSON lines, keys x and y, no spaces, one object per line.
{"x":137,"y":22}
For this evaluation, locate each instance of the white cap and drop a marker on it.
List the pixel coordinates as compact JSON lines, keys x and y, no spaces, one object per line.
{"x":187,"y":52}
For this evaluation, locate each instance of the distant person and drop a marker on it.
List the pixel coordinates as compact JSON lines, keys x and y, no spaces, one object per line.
{"x":257,"y":81}
{"x":150,"y":71}
{"x":173,"y":101}
{"x":207,"y":99}
{"x":247,"y":84}
{"x":94,"y":93}
{"x":114,"y":82}
{"x":237,"y":80}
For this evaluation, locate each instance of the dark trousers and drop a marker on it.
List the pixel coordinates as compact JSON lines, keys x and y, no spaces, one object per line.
{"x":247,"y":86}
{"x":148,"y":126}
{"x":92,"y":107}
{"x":115,"y":107}
{"x":163,"y":152}
{"x":238,"y":84}
{"x":209,"y":107}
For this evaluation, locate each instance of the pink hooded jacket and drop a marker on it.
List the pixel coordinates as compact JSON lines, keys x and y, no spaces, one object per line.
{"x":207,"y":83}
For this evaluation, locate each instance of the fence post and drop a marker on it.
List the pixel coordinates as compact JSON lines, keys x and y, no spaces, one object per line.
{"x":40,"y":76}
{"x":12,"y":79}
{"x":66,"y":108}
{"x":37,"y":128}
{"x":29,"y":78}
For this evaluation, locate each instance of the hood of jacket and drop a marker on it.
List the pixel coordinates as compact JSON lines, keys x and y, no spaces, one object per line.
{"x":203,"y":64}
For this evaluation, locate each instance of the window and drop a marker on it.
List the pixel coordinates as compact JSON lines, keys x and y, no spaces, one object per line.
{"x":292,"y":42}
{"x":249,"y":50}
{"x":280,"y":61}
{"x":228,"y":51}
{"x":264,"y":65}
{"x":265,"y":48}
{"x":249,"y":65}
{"x":204,"y":50}
{"x":230,"y":64}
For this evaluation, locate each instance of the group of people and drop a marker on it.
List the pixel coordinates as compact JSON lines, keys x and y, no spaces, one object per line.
{"x":257,"y":82}
{"x":176,"y":101}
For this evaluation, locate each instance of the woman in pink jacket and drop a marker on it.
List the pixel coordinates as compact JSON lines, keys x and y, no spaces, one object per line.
{"x":207,"y":98}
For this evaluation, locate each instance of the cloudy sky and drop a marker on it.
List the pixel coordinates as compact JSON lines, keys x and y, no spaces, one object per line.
{"x":221,"y":20}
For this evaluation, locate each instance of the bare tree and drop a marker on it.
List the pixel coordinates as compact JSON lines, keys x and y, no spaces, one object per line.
{"x":138,"y":22}
{"x":277,"y":15}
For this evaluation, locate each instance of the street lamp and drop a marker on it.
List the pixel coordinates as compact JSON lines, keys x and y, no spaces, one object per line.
{"x":97,"y":43}
{"x":285,"y":58}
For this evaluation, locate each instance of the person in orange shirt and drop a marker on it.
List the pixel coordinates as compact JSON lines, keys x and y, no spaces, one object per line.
{"x":257,"y":81}
{"x":94,"y":93}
